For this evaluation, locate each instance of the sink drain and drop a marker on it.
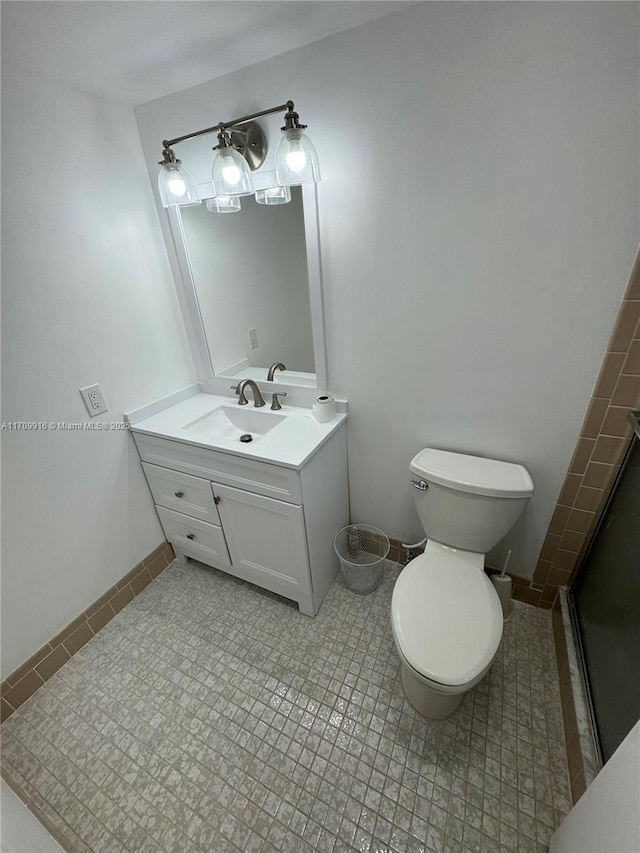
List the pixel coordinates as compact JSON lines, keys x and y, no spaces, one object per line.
{"x":247,"y":437}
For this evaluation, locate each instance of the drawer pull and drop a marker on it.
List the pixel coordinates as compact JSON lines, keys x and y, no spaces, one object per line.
{"x":191,"y":535}
{"x":179,"y":494}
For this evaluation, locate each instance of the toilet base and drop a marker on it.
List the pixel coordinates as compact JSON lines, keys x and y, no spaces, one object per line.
{"x":434,"y":706}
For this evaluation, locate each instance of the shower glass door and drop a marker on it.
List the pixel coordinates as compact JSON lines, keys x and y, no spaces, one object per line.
{"x":605,"y":599}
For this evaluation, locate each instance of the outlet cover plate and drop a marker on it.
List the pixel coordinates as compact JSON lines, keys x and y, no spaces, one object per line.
{"x":94,"y":400}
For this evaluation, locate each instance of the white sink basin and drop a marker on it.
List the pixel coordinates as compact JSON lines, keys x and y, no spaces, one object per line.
{"x":230,"y":422}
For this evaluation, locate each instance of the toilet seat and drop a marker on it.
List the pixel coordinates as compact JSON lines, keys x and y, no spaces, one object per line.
{"x":446,"y":615}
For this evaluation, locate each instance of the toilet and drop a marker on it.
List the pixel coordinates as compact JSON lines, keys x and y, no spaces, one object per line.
{"x":446,"y":616}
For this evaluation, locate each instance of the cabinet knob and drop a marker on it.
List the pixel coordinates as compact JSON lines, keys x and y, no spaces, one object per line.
{"x":191,"y":535}
{"x":216,"y":500}
{"x":179,"y":494}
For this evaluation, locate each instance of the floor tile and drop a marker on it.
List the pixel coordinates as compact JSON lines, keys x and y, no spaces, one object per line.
{"x":209,"y":715}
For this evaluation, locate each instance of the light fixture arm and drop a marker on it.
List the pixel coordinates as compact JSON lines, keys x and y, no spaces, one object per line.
{"x":223,"y":125}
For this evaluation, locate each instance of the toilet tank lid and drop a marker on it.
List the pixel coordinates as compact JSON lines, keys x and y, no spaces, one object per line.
{"x":473,"y":474}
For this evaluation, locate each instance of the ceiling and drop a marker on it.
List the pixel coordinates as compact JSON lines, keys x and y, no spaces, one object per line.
{"x":139,"y":50}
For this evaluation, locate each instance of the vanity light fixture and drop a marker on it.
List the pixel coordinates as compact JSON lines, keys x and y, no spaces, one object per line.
{"x":241,"y":148}
{"x":230,"y":173}
{"x":175,"y":183}
{"x":274,"y":195}
{"x":296,"y":158}
{"x":223,"y":204}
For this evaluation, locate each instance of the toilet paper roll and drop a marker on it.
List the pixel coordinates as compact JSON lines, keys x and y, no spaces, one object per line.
{"x":324,"y":409}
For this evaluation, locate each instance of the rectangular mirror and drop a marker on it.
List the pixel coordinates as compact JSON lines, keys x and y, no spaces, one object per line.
{"x":250,"y":273}
{"x":252,"y":285}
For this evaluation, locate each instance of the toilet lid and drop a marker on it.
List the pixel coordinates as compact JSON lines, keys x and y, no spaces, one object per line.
{"x":446,"y":616}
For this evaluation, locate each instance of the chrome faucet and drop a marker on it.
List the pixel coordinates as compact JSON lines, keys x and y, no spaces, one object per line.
{"x":272,"y":370}
{"x":258,"y":399}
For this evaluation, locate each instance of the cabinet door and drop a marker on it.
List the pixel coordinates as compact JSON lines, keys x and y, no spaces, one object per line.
{"x":266,"y":540}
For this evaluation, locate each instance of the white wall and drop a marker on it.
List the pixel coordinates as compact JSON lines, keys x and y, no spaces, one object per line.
{"x":479,"y":219}
{"x":20,"y":829}
{"x":607,"y":816}
{"x":87,"y":297}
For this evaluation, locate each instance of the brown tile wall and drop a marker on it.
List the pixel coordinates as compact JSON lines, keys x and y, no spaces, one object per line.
{"x":600,"y":449}
{"x":602,"y":443}
{"x":22,"y":683}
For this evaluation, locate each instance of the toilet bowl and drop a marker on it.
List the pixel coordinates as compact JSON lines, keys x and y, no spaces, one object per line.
{"x":446,"y":616}
{"x":447,"y":625}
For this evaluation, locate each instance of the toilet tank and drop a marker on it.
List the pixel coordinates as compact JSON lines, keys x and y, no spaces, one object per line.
{"x":470,"y":502}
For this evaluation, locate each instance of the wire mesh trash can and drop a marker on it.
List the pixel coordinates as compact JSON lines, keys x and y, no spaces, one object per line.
{"x":362,"y":551}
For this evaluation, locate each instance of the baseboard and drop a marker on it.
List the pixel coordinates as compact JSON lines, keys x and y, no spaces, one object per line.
{"x":32,"y":674}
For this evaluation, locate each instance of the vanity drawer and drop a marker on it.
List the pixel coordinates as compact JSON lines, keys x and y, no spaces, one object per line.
{"x":195,"y":538}
{"x":182,"y":492}
{"x":259,"y":477}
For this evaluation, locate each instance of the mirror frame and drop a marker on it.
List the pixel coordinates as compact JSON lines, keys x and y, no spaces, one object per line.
{"x":190,"y":308}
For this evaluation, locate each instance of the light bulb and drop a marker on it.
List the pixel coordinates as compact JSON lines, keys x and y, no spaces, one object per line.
{"x":296,"y":158}
{"x":177,"y":186}
{"x":231,"y":174}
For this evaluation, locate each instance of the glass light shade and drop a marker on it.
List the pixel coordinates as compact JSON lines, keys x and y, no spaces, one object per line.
{"x":296,"y":159}
{"x":176,"y":186}
{"x":274,"y":195}
{"x":230,"y":173}
{"x":223,"y":204}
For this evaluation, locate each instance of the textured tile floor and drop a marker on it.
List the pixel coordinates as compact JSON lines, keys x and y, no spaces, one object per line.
{"x":211,"y":716}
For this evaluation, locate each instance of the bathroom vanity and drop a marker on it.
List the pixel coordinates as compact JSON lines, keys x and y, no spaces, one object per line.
{"x":265,"y":510}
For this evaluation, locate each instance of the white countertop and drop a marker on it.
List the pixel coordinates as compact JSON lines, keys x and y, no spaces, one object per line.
{"x":290,"y":444}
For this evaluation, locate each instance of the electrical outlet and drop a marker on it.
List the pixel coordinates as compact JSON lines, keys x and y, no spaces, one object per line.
{"x":253,"y":338}
{"x":94,"y":400}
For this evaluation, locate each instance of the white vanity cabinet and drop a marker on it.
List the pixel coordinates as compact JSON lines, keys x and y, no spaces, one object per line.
{"x":265,"y":523}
